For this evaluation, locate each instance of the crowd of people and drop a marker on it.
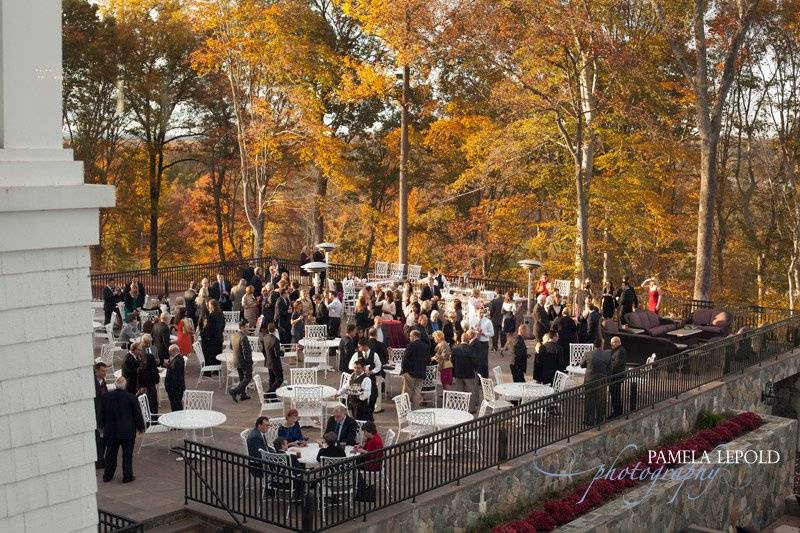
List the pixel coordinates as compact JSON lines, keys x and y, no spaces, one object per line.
{"x":457,"y":334}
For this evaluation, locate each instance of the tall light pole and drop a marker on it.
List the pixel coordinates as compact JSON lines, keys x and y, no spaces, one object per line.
{"x":530,"y":265}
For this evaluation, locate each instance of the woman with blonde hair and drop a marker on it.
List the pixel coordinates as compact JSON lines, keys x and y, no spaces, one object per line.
{"x":185,"y":332}
{"x":443,"y":357}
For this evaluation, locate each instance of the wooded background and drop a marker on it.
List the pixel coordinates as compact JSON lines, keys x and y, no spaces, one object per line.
{"x":604,"y":137}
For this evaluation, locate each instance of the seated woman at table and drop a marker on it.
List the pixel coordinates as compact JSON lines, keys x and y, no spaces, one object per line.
{"x":290,"y":429}
{"x":373,"y":444}
{"x":130,"y":330}
{"x":330,"y":447}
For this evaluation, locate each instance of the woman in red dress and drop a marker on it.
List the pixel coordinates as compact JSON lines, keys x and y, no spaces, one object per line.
{"x":185,"y":333}
{"x":372,"y":447}
{"x":653,"y":295}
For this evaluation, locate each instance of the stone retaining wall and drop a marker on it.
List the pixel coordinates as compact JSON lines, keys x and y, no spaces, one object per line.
{"x":741,"y":494}
{"x":457,"y":508}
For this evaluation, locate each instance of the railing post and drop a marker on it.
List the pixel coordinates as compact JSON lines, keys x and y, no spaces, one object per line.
{"x":309,"y":507}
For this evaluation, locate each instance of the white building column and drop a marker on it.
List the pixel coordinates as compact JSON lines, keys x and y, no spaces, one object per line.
{"x":48,"y":220}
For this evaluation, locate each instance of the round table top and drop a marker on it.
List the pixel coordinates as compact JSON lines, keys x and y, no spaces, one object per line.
{"x":258,"y":357}
{"x":514,"y":390}
{"x":308,"y":453}
{"x":444,"y":417}
{"x":192,"y":419}
{"x":288,"y":391}
{"x":328,"y":343}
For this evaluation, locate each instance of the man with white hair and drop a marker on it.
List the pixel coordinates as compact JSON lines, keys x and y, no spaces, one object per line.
{"x":541,"y":322}
{"x":175,"y":380}
{"x":121,"y":419}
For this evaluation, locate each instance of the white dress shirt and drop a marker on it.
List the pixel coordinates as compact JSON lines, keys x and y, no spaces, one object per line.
{"x":335,"y":308}
{"x":483,"y":327}
{"x":366,"y":389}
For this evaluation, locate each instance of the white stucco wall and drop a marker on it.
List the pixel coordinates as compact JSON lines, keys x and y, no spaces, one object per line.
{"x":48,"y":220}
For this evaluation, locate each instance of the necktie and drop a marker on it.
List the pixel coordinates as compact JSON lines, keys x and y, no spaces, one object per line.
{"x":338,"y":431}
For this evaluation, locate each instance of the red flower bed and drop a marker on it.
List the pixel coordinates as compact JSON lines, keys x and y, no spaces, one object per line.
{"x":559,"y":511}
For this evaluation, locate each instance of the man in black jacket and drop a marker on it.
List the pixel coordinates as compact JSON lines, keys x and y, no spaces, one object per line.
{"x":130,"y":368}
{"x":347,"y":347}
{"x":100,"y":389}
{"x":160,"y":334}
{"x":541,"y":322}
{"x":496,"y":317}
{"x":220,"y":291}
{"x":464,"y":366}
{"x":175,"y":380}
{"x":343,"y":426}
{"x":598,"y":369}
{"x":271,"y":348}
{"x":430,"y":290}
{"x":412,"y":368}
{"x":549,"y":359}
{"x":111,"y":295}
{"x":121,"y":419}
{"x":377,"y":347}
{"x":242,"y":353}
{"x":189,"y":297}
{"x":619,"y":359}
{"x":520,"y":363}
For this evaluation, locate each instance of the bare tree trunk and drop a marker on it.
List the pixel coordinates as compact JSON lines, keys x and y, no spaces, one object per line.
{"x":258,"y":236}
{"x":319,"y":204}
{"x":402,"y":236}
{"x":582,"y":228}
{"x":155,"y":193}
{"x":605,"y":255}
{"x":705,"y":214}
{"x":217,"y":179}
{"x":587,"y":81}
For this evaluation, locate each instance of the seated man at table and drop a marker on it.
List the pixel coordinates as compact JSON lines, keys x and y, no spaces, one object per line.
{"x":330,"y":447}
{"x":257,"y":440}
{"x":343,"y":426}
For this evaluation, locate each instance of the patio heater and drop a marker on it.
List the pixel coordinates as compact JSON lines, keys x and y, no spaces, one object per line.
{"x":315,"y":267}
{"x":327,"y":248}
{"x":530,"y":265}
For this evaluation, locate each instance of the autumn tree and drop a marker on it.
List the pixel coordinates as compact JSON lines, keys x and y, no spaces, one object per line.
{"x":93,"y":117}
{"x":158,"y":85}
{"x":707,"y":63}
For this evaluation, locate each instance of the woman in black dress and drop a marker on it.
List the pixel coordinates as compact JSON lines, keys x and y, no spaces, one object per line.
{"x":214,"y":326}
{"x":608,"y":304}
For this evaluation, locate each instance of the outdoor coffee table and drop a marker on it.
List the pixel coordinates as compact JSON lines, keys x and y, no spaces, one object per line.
{"x":514,"y":391}
{"x":628,"y":329}
{"x":684,"y":334}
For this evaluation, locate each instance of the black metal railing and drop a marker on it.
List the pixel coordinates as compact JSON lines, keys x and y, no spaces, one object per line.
{"x":324,"y":498}
{"x":177,"y":278}
{"x":113,"y":523}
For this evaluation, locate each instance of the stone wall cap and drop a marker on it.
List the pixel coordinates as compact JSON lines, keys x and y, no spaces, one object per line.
{"x":56,"y":197}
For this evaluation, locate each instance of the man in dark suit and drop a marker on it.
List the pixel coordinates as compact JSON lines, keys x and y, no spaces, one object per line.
{"x":247,"y":273}
{"x":283,"y":315}
{"x":111,"y":295}
{"x":100,"y":388}
{"x":220,"y":291}
{"x":429,"y":290}
{"x":271,"y":348}
{"x":412,"y":367}
{"x":343,"y":426}
{"x":619,"y":360}
{"x":160,"y":334}
{"x":175,"y":380}
{"x":598,"y":369}
{"x":496,"y":317}
{"x":122,"y":419}
{"x":520,"y":363}
{"x":189,"y":297}
{"x":257,"y":440}
{"x":541,"y":322}
{"x":130,"y":368}
{"x":347,"y":347}
{"x":549,"y":359}
{"x":464,"y":368}
{"x":242,"y":354}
